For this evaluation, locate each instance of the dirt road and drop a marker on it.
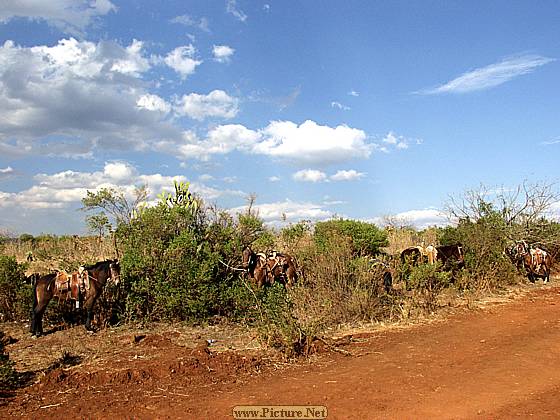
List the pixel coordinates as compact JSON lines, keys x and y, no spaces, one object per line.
{"x":499,"y":362}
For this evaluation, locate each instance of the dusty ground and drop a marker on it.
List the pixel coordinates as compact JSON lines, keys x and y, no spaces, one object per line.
{"x":501,"y":360}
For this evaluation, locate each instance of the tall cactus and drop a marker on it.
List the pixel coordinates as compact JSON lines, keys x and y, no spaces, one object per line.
{"x":182,"y":197}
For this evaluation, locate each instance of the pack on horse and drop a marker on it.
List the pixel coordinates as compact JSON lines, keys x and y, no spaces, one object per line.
{"x":265,"y":269}
{"x":85,"y":285}
{"x":536,"y":261}
{"x":450,"y":256}
{"x":413,"y":255}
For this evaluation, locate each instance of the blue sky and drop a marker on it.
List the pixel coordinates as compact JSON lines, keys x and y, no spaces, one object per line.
{"x":359,"y":109}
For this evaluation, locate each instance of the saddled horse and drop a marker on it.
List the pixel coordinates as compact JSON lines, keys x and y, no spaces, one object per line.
{"x":282,"y":268}
{"x":450,"y":256}
{"x":536,"y":261}
{"x":256,"y":266}
{"x":265,"y":269}
{"x":85,"y":286}
{"x":413,"y":255}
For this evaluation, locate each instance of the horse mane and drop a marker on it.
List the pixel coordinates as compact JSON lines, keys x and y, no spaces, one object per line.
{"x":98,"y":264}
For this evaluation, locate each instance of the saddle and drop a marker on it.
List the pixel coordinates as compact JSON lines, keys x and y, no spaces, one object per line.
{"x":72,"y":285}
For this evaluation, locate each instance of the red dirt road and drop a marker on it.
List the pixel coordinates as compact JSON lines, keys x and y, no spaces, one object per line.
{"x":499,"y":362}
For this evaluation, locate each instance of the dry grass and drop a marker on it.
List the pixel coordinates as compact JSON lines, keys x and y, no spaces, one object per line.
{"x":59,"y":253}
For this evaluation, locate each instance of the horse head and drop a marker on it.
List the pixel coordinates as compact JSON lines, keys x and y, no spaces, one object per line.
{"x":521,"y":248}
{"x":247,"y":257}
{"x":115,"y":272}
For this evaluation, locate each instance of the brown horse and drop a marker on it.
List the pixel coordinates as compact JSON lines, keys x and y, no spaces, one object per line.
{"x":265,"y":270}
{"x":282,"y":268}
{"x":537,"y":263}
{"x":84,"y":286}
{"x":256,"y":266}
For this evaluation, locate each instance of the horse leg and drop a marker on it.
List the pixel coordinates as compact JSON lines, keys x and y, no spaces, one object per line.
{"x":37,"y":321}
{"x":90,"y":301}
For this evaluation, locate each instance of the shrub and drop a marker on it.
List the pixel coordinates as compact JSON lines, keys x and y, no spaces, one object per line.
{"x":14,"y":293}
{"x":8,"y":376}
{"x":365,"y":238}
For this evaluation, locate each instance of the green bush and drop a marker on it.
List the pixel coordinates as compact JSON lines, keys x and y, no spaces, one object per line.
{"x":14,"y":293}
{"x":365,"y":238}
{"x":8,"y":375}
{"x":176,"y":264}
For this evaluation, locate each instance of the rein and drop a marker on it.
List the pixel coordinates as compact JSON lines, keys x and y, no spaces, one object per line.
{"x":232,"y":268}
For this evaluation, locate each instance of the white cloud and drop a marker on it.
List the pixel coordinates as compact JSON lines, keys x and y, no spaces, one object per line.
{"x":6,"y":172}
{"x":64,"y":189}
{"x":353,"y":93}
{"x":133,"y":62}
{"x":216,"y":104}
{"x":70,"y":16}
{"x":492,"y":75}
{"x":344,"y":175}
{"x":394,"y":141}
{"x":153,"y":103}
{"x":309,"y":175}
{"x":308,"y":143}
{"x":182,"y":60}
{"x":312,"y":143}
{"x":206,"y":177}
{"x":220,"y":140}
{"x":274,"y":178}
{"x":550,"y":142}
{"x":233,"y":9}
{"x":420,"y":219}
{"x":75,"y":96}
{"x":188,"y":20}
{"x":338,"y":105}
{"x":287,"y":211}
{"x":222,"y":53}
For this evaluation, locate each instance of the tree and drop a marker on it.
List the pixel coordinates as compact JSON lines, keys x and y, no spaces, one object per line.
{"x":98,"y":224}
{"x":366,"y":238}
{"x":115,"y":203}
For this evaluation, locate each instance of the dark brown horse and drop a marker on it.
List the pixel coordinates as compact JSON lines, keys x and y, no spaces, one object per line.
{"x":451,"y":256}
{"x":412,"y":255}
{"x":268,"y":269}
{"x":84,"y":286}
{"x":256,"y":266}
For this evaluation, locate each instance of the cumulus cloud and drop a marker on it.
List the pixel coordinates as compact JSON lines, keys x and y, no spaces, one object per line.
{"x":420,"y":219}
{"x":72,"y":97}
{"x":347,"y":175}
{"x":287,"y":211}
{"x":492,"y":75}
{"x":216,"y":104}
{"x":189,"y":21}
{"x":222,"y":53}
{"x":153,"y":103}
{"x":233,"y":9}
{"x":312,"y":143}
{"x":182,"y":60}
{"x":64,"y":189}
{"x":308,"y":143}
{"x":309,"y":175}
{"x":70,"y":16}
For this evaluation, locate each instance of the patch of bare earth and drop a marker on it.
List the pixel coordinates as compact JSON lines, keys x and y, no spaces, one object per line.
{"x":500,"y":360}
